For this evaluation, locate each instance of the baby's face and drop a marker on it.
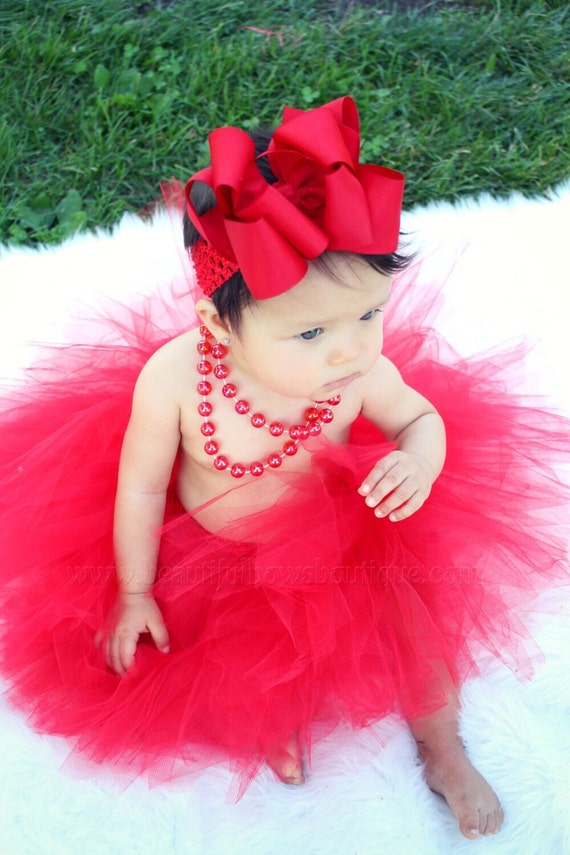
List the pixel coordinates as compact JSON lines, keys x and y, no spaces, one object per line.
{"x":312,"y":341}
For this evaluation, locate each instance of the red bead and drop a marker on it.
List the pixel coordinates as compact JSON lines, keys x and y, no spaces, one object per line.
{"x":221,"y":371}
{"x":238,"y":470}
{"x":334,"y":401}
{"x":276,"y":428}
{"x":275,"y":460}
{"x":242,"y":407}
{"x":208,"y":429}
{"x":311,"y":414}
{"x":221,"y":462}
{"x":205,"y":408}
{"x":219,"y":351}
{"x":229,"y":390}
{"x":290,"y":448}
{"x":295,"y":431}
{"x":257,"y":468}
{"x":204,"y":367}
{"x":204,"y":387}
{"x":327,"y":416}
{"x":304,"y":432}
{"x":315,"y":429}
{"x":258,"y":420}
{"x":203,"y":346}
{"x":211,"y":447}
{"x":205,"y":332}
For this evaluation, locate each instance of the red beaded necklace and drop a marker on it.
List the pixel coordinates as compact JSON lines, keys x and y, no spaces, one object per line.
{"x":314,"y":417}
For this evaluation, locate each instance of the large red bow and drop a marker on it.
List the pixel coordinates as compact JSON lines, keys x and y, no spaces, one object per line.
{"x":324,"y":199}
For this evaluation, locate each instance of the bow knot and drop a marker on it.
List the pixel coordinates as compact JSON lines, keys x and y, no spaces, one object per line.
{"x":307,"y":195}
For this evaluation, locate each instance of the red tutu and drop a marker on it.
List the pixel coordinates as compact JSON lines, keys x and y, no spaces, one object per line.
{"x":295,"y":618}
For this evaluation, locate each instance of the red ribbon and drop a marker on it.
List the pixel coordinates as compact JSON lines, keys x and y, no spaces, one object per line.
{"x":324,"y":199}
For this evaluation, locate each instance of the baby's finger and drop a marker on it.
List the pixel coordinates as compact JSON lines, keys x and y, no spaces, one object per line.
{"x":376,"y":474}
{"x":395,"y":499}
{"x":392,"y":484}
{"x":127,"y":650}
{"x":118,"y":661}
{"x":159,"y":635}
{"x":404,"y":510}
{"x":113,"y":657}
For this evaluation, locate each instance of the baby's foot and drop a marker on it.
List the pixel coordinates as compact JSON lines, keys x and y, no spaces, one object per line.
{"x":287,"y":762}
{"x":471,"y":799}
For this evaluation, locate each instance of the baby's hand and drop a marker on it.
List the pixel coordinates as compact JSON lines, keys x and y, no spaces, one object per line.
{"x":133,"y":615}
{"x":398,"y":485}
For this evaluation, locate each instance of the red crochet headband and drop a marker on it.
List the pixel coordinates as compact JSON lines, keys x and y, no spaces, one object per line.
{"x":324,"y":200}
{"x":212,"y":269}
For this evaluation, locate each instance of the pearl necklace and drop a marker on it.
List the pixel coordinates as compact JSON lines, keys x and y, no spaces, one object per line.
{"x":314,"y":417}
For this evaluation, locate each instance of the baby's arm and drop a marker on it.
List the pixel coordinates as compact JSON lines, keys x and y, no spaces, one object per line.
{"x":400,"y":483}
{"x":149,"y":450}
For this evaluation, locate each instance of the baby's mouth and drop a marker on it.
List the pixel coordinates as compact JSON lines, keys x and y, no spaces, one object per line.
{"x":342,"y":381}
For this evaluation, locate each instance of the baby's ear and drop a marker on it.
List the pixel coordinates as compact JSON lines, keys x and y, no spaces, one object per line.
{"x":208,"y":315}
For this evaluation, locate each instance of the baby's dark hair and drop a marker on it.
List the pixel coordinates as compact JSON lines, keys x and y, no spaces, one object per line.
{"x":234,"y":296}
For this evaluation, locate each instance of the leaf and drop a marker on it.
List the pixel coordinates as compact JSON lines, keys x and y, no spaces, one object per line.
{"x":38,"y":213}
{"x":33,"y":219}
{"x":308,"y":95}
{"x":73,"y":223}
{"x":69,"y":205}
{"x":102,"y":77}
{"x":80,"y":67}
{"x":129,"y":81}
{"x":41,"y":203}
{"x":17,"y":234}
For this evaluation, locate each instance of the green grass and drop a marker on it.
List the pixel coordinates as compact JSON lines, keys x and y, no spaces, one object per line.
{"x":100,"y":100}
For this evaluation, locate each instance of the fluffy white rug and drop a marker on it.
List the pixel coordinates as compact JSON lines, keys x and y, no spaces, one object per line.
{"x":365,"y":794}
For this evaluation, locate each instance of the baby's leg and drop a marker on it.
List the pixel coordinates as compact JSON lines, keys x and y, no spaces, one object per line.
{"x":287,"y":762}
{"x":449,"y":772}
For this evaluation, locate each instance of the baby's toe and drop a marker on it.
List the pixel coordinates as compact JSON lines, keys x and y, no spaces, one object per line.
{"x":470,"y":825}
{"x":494,"y":822}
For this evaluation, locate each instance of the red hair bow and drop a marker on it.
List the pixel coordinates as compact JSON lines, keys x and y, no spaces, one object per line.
{"x":324,"y":199}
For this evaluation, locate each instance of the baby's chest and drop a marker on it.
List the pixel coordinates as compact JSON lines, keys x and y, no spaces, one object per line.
{"x":217,"y":435}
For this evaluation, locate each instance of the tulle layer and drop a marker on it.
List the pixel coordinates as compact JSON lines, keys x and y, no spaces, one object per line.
{"x":295,"y":618}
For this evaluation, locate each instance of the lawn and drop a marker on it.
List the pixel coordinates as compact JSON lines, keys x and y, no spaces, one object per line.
{"x":100,"y":100}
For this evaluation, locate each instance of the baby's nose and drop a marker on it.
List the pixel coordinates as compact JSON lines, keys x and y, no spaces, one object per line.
{"x":346,"y":351}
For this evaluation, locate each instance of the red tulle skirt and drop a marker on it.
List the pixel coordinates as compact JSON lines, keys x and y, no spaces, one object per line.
{"x":297,"y":617}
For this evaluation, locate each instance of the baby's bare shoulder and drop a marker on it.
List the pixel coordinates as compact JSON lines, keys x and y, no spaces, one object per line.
{"x":175,"y":350}
{"x":171,"y":364}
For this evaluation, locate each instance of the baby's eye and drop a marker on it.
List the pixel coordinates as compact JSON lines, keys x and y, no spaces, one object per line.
{"x":369,"y":315}
{"x":310,"y":334}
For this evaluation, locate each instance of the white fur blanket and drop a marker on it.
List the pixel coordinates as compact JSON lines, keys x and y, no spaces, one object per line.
{"x":365,"y":793}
